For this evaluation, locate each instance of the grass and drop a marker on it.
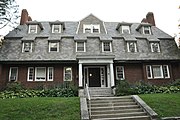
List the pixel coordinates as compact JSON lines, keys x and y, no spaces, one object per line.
{"x":50,"y":108}
{"x":165,"y":105}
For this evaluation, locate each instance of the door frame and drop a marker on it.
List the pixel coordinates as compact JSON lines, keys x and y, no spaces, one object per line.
{"x":103,"y":79}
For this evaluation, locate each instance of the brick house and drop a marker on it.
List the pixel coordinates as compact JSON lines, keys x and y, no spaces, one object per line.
{"x":88,"y":51}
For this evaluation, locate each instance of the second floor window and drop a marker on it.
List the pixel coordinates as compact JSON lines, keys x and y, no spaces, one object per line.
{"x":131,"y":46}
{"x":155,"y":47}
{"x":80,"y":47}
{"x":106,"y":47}
{"x":53,"y":46}
{"x":56,"y":28}
{"x":32,"y":29}
{"x":27,"y":46}
{"x":91,"y":28}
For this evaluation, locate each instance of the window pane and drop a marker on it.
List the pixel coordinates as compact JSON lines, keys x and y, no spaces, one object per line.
{"x":67,"y":74}
{"x":166,"y":71}
{"x":32,"y":29}
{"x":149,"y":71}
{"x":13,"y":74}
{"x":40,"y":74}
{"x":106,"y":46}
{"x":50,"y":74}
{"x":53,"y":46}
{"x":96,"y":29}
{"x":132,"y":47}
{"x":30,"y":74}
{"x":27,"y":47}
{"x":157,"y":71}
{"x":56,"y":28}
{"x":125,"y":29}
{"x":120,"y":72}
{"x":146,"y":30}
{"x":155,"y":47}
{"x":80,"y":46}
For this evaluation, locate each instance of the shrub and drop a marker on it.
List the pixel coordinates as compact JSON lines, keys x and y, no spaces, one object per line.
{"x":14,"y":86}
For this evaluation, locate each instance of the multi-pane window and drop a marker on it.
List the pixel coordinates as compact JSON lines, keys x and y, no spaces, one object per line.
{"x":125,"y":29}
{"x":157,"y":71}
{"x":131,"y":46}
{"x":30,"y":74}
{"x":91,"y":28}
{"x":13,"y":73}
{"x":50,"y":73}
{"x":67,"y":74}
{"x":56,"y":28}
{"x":40,"y":74}
{"x":120,"y":73}
{"x":147,"y":30}
{"x":106,"y":47}
{"x":155,"y":47}
{"x":27,"y":46}
{"x":80,"y":47}
{"x":32,"y":29}
{"x":54,"y":46}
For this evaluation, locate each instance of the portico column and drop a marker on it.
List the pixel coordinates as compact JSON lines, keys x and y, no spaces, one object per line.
{"x":112,"y":74}
{"x":80,"y":75}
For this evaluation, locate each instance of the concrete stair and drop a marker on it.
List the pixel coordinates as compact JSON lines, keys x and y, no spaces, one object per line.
{"x":100,"y":92}
{"x":115,"y":108}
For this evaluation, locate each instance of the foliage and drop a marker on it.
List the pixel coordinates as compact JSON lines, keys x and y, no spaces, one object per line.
{"x":8,"y":13}
{"x":40,"y":108}
{"x":14,"y":86}
{"x":165,"y":105}
{"x":15,"y":91}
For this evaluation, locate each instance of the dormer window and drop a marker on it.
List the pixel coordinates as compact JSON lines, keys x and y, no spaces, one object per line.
{"x":80,"y":47}
{"x":32,"y":29}
{"x":56,"y":28}
{"x":91,"y":28}
{"x":155,"y":47}
{"x":125,"y":29}
{"x":54,"y":46}
{"x":131,"y":46}
{"x":106,"y":47}
{"x":27,"y":46}
{"x":146,"y":30}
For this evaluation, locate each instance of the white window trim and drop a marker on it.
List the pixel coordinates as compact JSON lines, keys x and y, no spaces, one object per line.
{"x":52,"y":74}
{"x":167,"y":67}
{"x":29,"y":72}
{"x":30,"y":28}
{"x":64,"y":74}
{"x":110,"y":43}
{"x":135,"y":45}
{"x":152,"y":49}
{"x":36,"y":73}
{"x":84,"y":47}
{"x":91,"y":27}
{"x":23,"y":47}
{"x":149,"y":28}
{"x":150,"y":71}
{"x":124,"y":27}
{"x":50,"y":46}
{"x":117,"y":73}
{"x":59,"y":28}
{"x":10,"y":74}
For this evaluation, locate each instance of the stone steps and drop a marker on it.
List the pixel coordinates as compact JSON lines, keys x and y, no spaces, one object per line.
{"x":100,"y":92}
{"x":115,"y":108}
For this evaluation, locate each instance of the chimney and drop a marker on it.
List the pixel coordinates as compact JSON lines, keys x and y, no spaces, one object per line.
{"x":24,"y":17}
{"x":150,"y":18}
{"x":144,"y":20}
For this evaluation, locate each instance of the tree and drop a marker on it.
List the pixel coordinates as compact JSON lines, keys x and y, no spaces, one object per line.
{"x":9,"y":13}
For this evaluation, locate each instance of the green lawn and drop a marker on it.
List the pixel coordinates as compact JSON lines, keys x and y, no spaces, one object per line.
{"x":165,"y":105}
{"x":50,"y":108}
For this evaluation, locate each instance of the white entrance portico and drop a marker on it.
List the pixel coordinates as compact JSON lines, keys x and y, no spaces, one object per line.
{"x":96,"y":71}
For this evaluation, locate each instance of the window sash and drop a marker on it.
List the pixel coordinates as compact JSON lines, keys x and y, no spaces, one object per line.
{"x":27,"y":47}
{"x":67,"y":73}
{"x":147,"y":30}
{"x":125,"y":29}
{"x":132,"y":46}
{"x":80,"y":47}
{"x":32,"y":29}
{"x":40,"y":74}
{"x":120,"y":73}
{"x":92,"y":28}
{"x":56,"y":28}
{"x":166,"y":71}
{"x":53,"y":46}
{"x":155,"y":47}
{"x":50,"y":73}
{"x":106,"y":47}
{"x":13,"y":73}
{"x":157,"y":71}
{"x":149,"y":72}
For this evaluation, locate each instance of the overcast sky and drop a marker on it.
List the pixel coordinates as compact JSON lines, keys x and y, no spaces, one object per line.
{"x":166,"y":12}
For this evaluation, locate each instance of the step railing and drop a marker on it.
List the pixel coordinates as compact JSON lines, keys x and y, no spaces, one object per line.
{"x":88,"y":97}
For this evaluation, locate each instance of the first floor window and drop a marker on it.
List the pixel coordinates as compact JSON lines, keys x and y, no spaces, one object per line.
{"x":67,"y":74}
{"x":50,"y":73}
{"x":13,"y":73}
{"x":40,"y":74}
{"x":157,"y":71}
{"x":131,"y":47}
{"x":106,"y":46}
{"x":30,"y":74}
{"x":120,"y":73}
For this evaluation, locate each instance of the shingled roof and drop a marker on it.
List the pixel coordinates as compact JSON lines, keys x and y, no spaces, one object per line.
{"x":12,"y":47}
